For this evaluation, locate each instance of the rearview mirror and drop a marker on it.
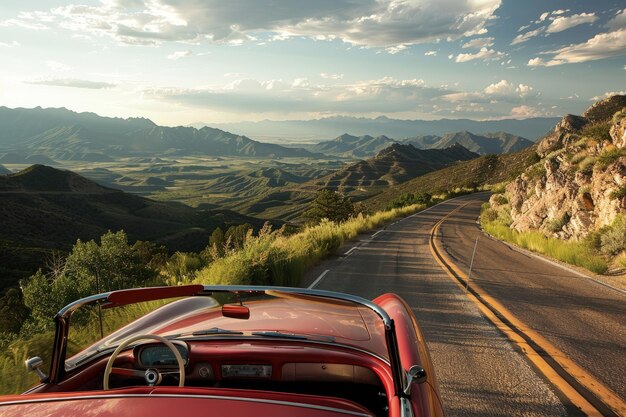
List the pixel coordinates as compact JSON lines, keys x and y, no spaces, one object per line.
{"x":417,"y":375}
{"x":33,"y":364}
{"x":236,"y":311}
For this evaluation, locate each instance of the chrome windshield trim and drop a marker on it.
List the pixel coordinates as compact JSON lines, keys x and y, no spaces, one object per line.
{"x":70,"y":308}
{"x":206,"y":397}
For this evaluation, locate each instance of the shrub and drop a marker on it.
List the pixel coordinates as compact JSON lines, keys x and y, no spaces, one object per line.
{"x":556,"y":225}
{"x":536,"y":171}
{"x":575,"y":253}
{"x":609,"y":155}
{"x":586,"y":165}
{"x":613,"y":238}
{"x":619,"y":193}
{"x":578,"y":157}
{"x":598,"y":131}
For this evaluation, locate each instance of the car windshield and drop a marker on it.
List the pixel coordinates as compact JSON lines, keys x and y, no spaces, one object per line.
{"x":254,"y":314}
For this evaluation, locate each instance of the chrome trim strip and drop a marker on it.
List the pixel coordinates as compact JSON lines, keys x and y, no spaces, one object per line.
{"x":206,"y":397}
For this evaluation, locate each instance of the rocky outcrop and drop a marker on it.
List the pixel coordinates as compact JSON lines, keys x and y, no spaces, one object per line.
{"x":575,"y":188}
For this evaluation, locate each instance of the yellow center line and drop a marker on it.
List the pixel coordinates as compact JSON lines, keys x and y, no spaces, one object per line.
{"x":487,"y":303}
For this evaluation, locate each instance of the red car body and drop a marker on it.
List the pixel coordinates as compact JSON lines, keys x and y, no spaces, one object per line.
{"x":244,"y":351}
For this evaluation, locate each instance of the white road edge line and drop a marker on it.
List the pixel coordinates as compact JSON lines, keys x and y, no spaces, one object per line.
{"x":350,"y":251}
{"x":317,"y":281}
{"x":374,"y":235}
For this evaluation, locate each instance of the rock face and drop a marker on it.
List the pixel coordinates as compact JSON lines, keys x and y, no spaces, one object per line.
{"x":579,"y":184}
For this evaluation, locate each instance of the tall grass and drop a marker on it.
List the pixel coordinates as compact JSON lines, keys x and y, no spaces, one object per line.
{"x":14,"y":378}
{"x":274,"y":259}
{"x":574,"y":253}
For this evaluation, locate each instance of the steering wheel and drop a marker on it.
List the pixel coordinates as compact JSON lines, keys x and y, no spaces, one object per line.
{"x":152,"y":376}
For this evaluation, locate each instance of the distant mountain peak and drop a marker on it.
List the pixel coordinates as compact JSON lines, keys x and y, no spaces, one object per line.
{"x":45,"y":178}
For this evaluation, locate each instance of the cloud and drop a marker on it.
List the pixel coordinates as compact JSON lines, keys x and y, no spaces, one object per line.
{"x":562,"y":23}
{"x":479,"y":43}
{"x":503,"y":90}
{"x":13,"y":44}
{"x":371,"y":23}
{"x":526,"y":36}
{"x":601,"y":46}
{"x":484,"y":54}
{"x":618,"y":22}
{"x":57,"y":66}
{"x":331,"y":76}
{"x":430,"y":53}
{"x":180,"y":54}
{"x":385,"y":95}
{"x":72,"y":82}
{"x":607,"y":95}
{"x":525,"y":112}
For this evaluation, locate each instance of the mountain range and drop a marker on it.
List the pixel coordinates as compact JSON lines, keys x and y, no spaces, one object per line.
{"x":61,"y":134}
{"x":363,"y":146}
{"x":312,"y":131}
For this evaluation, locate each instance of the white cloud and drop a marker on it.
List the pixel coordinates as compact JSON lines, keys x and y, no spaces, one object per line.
{"x":180,"y":54}
{"x":562,"y":23}
{"x":618,"y":22}
{"x":603,"y":45}
{"x":385,"y":95}
{"x":607,"y":95}
{"x":484,"y":54}
{"x":526,"y":36}
{"x":329,"y":76}
{"x":395,"y":49}
{"x":536,"y":62}
{"x":430,"y":53}
{"x":371,"y":23}
{"x":13,"y":44}
{"x":72,"y":82}
{"x":525,"y":111}
{"x":503,"y":90}
{"x":544,"y":16}
{"x":479,"y":43}
{"x":57,"y":66}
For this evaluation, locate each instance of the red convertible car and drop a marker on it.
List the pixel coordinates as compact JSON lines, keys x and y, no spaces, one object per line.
{"x":233,"y":351}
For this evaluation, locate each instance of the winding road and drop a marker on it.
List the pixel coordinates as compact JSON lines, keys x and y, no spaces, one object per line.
{"x":529,"y":337}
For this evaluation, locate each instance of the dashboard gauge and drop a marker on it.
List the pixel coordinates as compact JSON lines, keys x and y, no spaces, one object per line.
{"x":159,"y":356}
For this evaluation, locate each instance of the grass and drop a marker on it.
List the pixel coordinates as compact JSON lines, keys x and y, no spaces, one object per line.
{"x":13,"y":376}
{"x":272,"y":258}
{"x":574,"y":253}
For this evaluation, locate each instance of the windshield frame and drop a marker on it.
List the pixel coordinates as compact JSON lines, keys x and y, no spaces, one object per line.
{"x":62,"y":318}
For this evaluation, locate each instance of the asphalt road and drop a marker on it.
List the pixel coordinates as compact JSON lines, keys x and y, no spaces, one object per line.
{"x":480,"y":373}
{"x":582,"y":318}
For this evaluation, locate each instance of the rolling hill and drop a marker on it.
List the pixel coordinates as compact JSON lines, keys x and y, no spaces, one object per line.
{"x":44,"y":208}
{"x":4,"y":170}
{"x":487,"y":169}
{"x":62,"y":134}
{"x":394,"y":165}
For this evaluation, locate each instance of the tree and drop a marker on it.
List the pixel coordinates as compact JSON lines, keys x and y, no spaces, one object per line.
{"x":329,"y":205}
{"x":237,"y":235}
{"x":89,"y":268}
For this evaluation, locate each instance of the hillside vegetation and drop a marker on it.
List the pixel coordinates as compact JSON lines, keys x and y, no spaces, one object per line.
{"x":44,"y":209}
{"x":575,"y":195}
{"x":484,"y":171}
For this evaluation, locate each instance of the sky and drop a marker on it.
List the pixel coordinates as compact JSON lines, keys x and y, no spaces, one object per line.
{"x":183,"y":61}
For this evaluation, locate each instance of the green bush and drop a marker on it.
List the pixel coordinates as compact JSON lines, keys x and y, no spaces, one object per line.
{"x":619,"y":193}
{"x":613,"y":238}
{"x":556,"y":225}
{"x":598,"y":131}
{"x":575,"y":253}
{"x":536,"y":171}
{"x":586,"y":165}
{"x":609,"y":155}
